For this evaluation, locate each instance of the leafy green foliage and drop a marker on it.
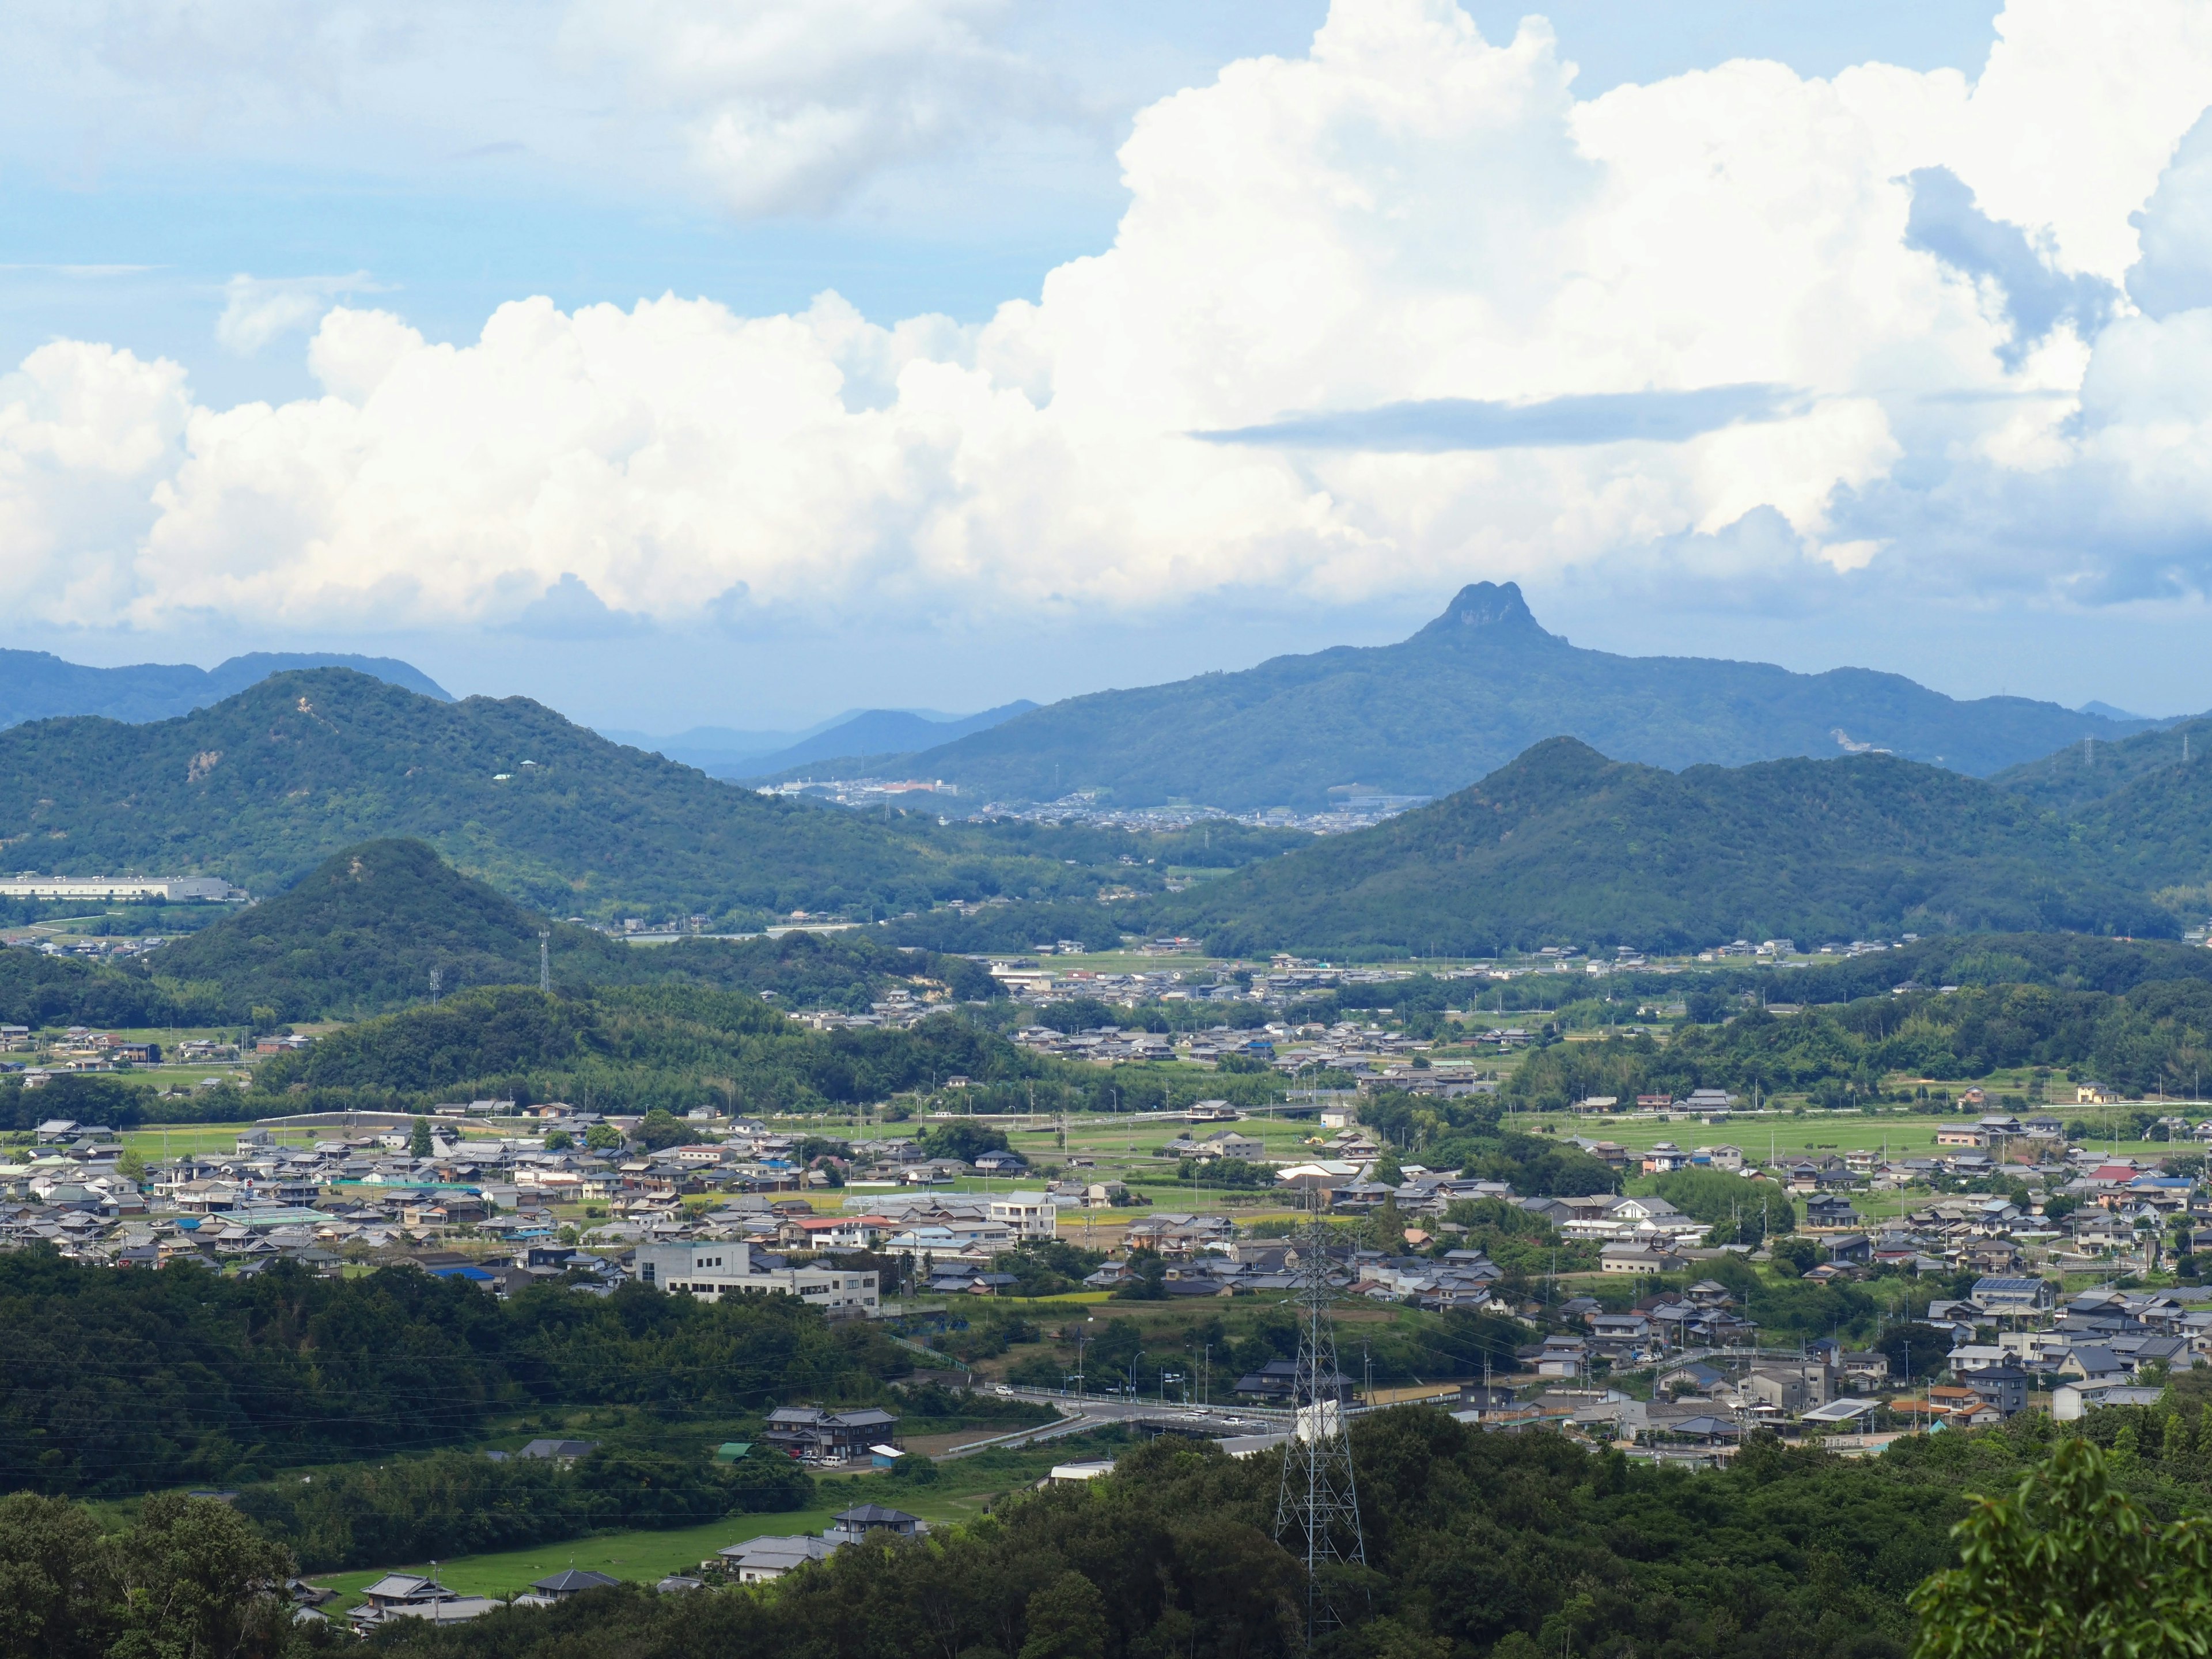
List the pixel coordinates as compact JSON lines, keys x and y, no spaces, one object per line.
{"x":670,"y":1047}
{"x":110,"y":1102}
{"x":962,"y":1138}
{"x":453,"y":1503}
{"x":188,"y":1577}
{"x":113,"y":1382}
{"x":1739,"y":1212}
{"x":1233,"y":1173}
{"x":2156,"y":1035}
{"x":39,"y":990}
{"x":2067,"y":1567}
{"x":1469,"y":1136}
{"x":1527,"y":1247}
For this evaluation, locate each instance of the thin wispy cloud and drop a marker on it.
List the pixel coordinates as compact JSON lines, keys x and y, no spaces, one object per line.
{"x":1436,"y":426}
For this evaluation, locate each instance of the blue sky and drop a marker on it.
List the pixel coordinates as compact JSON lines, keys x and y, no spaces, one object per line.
{"x":301,"y":205}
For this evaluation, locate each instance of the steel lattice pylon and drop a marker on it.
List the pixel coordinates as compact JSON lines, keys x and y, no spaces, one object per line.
{"x":1318,"y":1511}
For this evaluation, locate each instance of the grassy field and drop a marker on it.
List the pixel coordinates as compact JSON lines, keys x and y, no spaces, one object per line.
{"x":968,"y":1488}
{"x":648,"y":1556}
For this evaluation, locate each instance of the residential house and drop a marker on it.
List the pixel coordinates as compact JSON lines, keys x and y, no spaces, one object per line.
{"x":2019,"y":1297}
{"x":560,"y":1586}
{"x":764,"y":1560}
{"x":812,"y":1435}
{"x":1790,"y":1388}
{"x":853,"y":1525}
{"x":1027,"y":1216}
{"x":563,"y":1452}
{"x":405,"y":1596}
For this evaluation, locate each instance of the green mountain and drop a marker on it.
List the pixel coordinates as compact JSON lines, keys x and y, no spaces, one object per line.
{"x":1564,"y":845}
{"x":1464,"y":694}
{"x":35,"y":686}
{"x":2073,"y":777}
{"x":363,"y":932}
{"x":268,"y":783}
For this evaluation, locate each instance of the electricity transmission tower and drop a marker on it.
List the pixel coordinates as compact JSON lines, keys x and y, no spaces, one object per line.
{"x":544,"y":965}
{"x":1317,"y":1511}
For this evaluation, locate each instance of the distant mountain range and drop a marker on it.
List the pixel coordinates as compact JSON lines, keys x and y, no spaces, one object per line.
{"x":722,"y":752}
{"x":1464,"y":694}
{"x":36,"y":685}
{"x":1563,"y":846}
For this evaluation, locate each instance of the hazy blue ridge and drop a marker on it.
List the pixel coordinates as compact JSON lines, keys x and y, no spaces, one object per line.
{"x":37,"y":686}
{"x":1479,"y":685}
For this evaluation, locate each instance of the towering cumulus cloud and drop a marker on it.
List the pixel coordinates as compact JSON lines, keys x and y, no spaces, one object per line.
{"x":1399,"y":313}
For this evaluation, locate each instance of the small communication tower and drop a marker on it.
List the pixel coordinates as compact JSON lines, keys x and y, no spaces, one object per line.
{"x":1317,"y":1511}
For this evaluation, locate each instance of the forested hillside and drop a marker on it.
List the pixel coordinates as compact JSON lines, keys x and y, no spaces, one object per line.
{"x":1463,"y":696}
{"x":2081,"y":773}
{"x":637,"y":1047}
{"x":263,"y":787}
{"x":1565,"y":846}
{"x":2156,"y":1038}
{"x":363,"y":932}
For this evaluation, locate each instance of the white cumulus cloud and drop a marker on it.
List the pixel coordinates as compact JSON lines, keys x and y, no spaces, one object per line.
{"x":1397,"y":314}
{"x":260,"y":309}
{"x":787,"y":106}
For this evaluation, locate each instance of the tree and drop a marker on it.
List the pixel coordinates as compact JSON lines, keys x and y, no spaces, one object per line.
{"x":603,"y":1137}
{"x":131,"y":1166}
{"x":1915,"y":1351}
{"x":418,"y":1139}
{"x":962,"y":1138}
{"x":662,"y":1129}
{"x":195,"y":1581}
{"x":2067,"y":1568}
{"x":560,"y":1140}
{"x":1066,"y":1619}
{"x":1795,"y":1257}
{"x":52,"y":1601}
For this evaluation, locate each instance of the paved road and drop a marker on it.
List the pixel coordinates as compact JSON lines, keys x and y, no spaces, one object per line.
{"x":1080,"y":1415}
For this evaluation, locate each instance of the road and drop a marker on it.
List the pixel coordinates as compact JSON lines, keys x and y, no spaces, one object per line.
{"x":1098,"y":1411}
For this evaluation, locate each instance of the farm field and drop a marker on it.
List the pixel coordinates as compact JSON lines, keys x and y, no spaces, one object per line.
{"x":646,"y":1556}
{"x":966,"y":1489}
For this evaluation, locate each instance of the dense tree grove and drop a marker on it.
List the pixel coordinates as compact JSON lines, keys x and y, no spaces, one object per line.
{"x":2156,"y":1036}
{"x":188,"y":1579}
{"x":116,"y":1382}
{"x":455,"y":1503}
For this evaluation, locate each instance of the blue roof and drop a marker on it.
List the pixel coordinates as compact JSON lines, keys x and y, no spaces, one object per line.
{"x":477,"y":1274}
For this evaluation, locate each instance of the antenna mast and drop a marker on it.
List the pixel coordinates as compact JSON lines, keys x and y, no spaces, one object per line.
{"x":1317,"y":1509}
